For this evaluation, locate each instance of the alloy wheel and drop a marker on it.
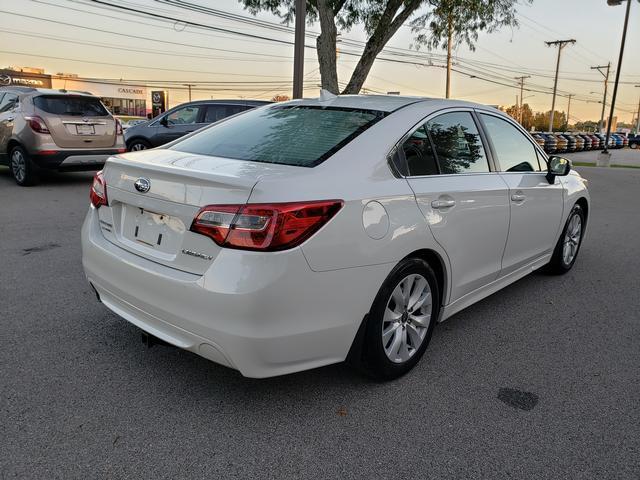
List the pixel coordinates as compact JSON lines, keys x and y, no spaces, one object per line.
{"x":138,"y":146}
{"x":406,"y":318}
{"x":18,"y":166}
{"x":572,"y":239}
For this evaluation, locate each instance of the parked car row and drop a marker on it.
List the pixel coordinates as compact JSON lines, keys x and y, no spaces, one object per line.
{"x":577,"y":142}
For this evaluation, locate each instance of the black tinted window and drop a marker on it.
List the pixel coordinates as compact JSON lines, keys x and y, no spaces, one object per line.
{"x":301,"y":135}
{"x":69,"y":105}
{"x":457,"y":143}
{"x":514,"y":151}
{"x":419,"y":154}
{"x":218,"y":112}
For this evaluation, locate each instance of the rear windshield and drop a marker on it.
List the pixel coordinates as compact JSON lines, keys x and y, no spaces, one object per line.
{"x":69,"y":105}
{"x":290,"y":135}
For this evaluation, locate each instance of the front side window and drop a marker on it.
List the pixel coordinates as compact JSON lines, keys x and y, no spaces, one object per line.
{"x":301,"y":135}
{"x":68,"y":105}
{"x":514,"y":151}
{"x":183,"y":116}
{"x":457,"y":143}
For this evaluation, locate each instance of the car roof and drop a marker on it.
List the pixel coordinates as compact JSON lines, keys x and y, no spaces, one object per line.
{"x":383,"y":103}
{"x":45,"y":91}
{"x":236,"y":101}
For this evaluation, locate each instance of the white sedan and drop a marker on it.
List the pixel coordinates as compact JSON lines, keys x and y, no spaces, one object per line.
{"x":304,"y":233}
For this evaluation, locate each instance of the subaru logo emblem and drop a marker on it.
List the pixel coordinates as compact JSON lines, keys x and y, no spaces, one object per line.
{"x":142,"y":185}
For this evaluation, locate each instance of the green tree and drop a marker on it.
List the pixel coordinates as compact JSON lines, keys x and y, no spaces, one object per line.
{"x":527,"y":115}
{"x":381,"y":19}
{"x":541,"y":120}
{"x":449,"y":23}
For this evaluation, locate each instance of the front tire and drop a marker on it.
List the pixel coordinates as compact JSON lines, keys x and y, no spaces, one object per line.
{"x":568,"y":246}
{"x":401,"y":320}
{"x":24,"y":171}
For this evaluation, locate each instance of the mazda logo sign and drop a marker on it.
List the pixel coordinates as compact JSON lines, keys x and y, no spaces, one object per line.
{"x":5,"y":80}
{"x":142,"y":185}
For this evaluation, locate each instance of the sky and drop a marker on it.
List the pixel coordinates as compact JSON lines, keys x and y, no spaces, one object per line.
{"x":78,"y":36}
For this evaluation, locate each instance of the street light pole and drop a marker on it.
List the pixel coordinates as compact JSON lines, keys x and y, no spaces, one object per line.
{"x":606,"y":84}
{"x":615,"y":85}
{"x":561,"y":44}
{"x":298,"y":50}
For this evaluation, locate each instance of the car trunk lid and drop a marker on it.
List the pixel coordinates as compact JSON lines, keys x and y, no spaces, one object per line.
{"x":155,"y":223}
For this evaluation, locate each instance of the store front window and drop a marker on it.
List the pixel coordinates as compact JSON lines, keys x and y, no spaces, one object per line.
{"x":126,"y":106}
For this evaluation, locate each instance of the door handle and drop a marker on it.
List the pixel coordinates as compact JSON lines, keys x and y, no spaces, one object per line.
{"x":442,"y":203}
{"x":517,"y":197}
{"x":11,"y":119}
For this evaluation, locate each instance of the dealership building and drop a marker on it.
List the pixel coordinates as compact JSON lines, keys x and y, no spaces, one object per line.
{"x":119,"y":97}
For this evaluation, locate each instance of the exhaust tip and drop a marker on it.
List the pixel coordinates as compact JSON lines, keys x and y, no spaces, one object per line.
{"x":150,"y":340}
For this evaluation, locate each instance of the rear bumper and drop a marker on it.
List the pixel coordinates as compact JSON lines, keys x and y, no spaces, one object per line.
{"x":74,"y":159}
{"x":264,"y":314}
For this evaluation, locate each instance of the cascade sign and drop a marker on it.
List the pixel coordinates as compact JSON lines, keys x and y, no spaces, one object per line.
{"x":22,"y":79}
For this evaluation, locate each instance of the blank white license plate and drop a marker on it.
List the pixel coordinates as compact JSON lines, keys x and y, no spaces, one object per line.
{"x":157,"y":231}
{"x":85,"y":130}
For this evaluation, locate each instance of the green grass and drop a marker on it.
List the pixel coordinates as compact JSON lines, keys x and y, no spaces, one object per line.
{"x":624,"y":166}
{"x":583,"y":164}
{"x":614,"y":165}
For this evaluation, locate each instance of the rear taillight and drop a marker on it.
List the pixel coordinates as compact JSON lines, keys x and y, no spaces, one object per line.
{"x":264,"y":226}
{"x":118,"y":127}
{"x":37,"y":124}
{"x":98,"y":194}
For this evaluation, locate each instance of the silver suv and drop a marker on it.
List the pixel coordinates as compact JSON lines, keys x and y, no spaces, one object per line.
{"x":55,"y":130}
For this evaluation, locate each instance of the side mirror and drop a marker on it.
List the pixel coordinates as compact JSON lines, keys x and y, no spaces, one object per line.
{"x":558,"y":167}
{"x":164,"y":122}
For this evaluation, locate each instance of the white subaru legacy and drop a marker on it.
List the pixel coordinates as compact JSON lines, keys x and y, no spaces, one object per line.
{"x":304,"y":233}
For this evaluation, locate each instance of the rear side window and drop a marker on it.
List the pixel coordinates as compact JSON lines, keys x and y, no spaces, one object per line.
{"x":419,"y":154}
{"x":457,"y":143}
{"x":218,"y":112}
{"x":514,"y":151}
{"x":290,"y":135}
{"x":71,"y":106}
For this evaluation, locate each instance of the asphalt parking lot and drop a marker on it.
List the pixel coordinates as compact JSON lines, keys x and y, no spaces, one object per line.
{"x":540,"y":380}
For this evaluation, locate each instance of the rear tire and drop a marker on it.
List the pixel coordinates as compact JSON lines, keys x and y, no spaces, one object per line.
{"x":24,"y":171}
{"x":137,"y":145}
{"x":568,"y":246}
{"x":401,"y":320}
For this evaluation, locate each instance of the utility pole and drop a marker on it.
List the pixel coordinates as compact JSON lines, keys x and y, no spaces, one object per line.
{"x":561,"y":44}
{"x":638,"y":117}
{"x":189,"y":85}
{"x":606,"y":84}
{"x":569,"y":110}
{"x":521,"y":82}
{"x":298,"y":50}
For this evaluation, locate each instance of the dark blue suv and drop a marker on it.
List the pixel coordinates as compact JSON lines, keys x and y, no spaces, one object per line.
{"x":183,"y":119}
